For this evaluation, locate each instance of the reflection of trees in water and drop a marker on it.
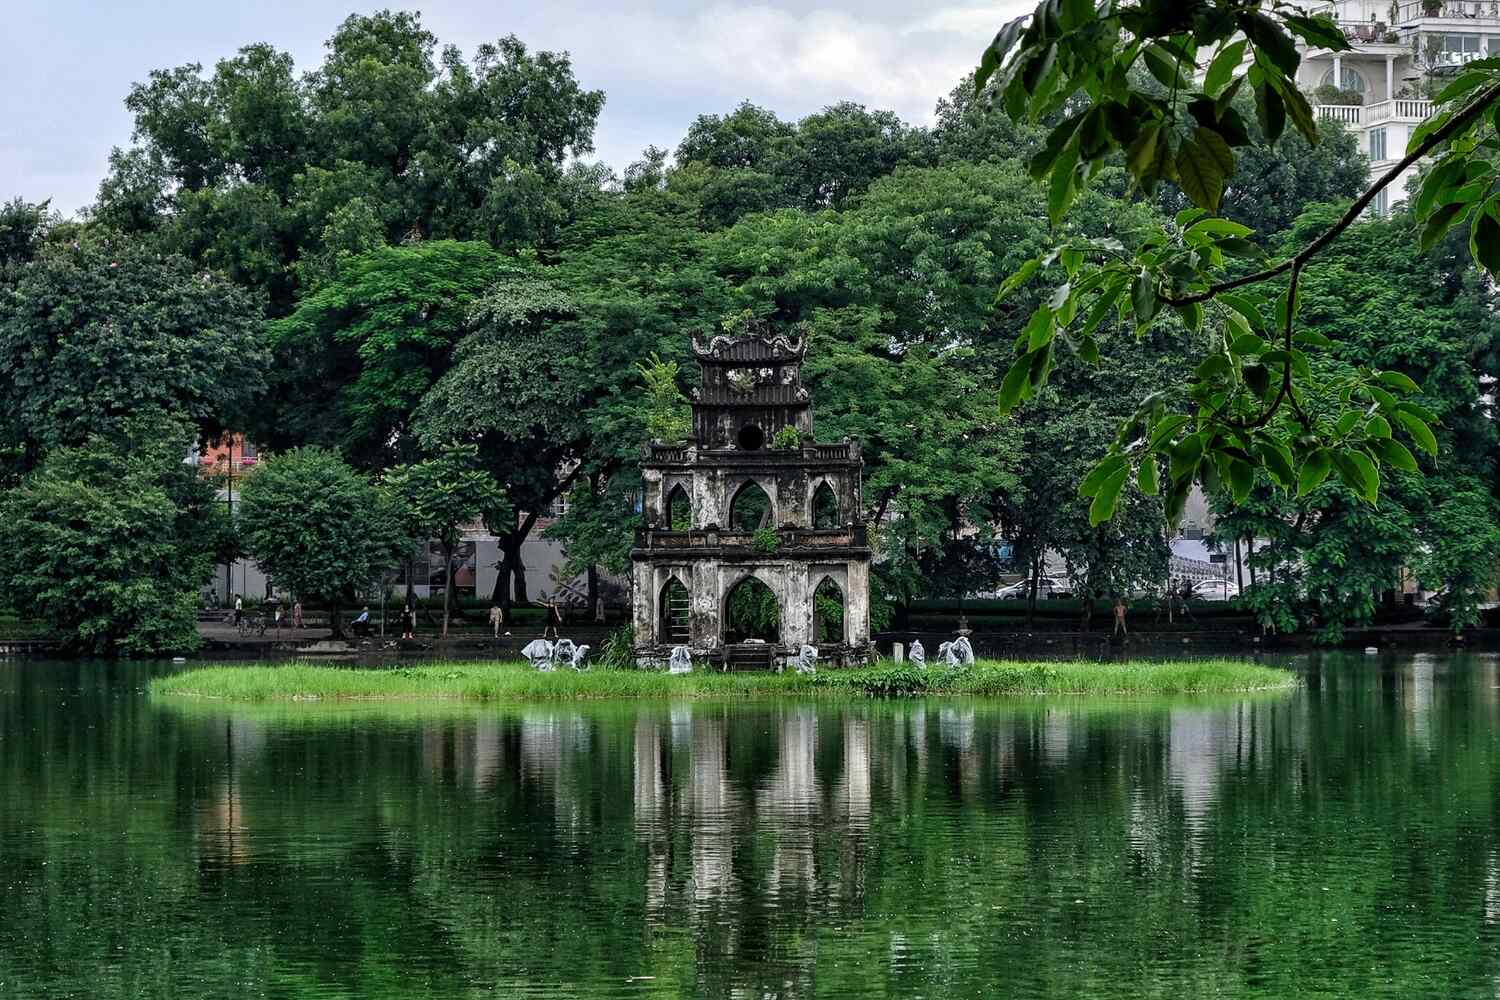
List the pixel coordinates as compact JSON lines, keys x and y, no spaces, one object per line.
{"x":832,"y":848}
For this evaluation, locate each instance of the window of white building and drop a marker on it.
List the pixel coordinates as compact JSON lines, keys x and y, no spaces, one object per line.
{"x":1453,"y":50}
{"x":1377,"y":144}
{"x":1381,"y":202}
{"x":1352,"y":80}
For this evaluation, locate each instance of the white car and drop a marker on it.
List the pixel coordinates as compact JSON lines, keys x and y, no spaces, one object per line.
{"x":1215,"y":590}
{"x":1047,"y":586}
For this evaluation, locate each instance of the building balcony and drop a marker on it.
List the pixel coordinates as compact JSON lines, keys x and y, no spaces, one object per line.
{"x":1451,"y":14}
{"x":658,"y":541}
{"x":810,"y":453}
{"x":1401,"y":110}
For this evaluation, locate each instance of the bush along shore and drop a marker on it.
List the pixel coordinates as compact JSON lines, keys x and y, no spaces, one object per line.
{"x":516,"y":682}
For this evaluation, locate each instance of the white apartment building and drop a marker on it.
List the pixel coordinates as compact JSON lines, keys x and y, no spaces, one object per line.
{"x":1402,"y":49}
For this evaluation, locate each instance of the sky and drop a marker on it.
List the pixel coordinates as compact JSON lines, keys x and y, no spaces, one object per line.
{"x":69,"y":64}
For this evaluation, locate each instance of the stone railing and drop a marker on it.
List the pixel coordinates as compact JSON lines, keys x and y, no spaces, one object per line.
{"x":1349,"y":114}
{"x":1399,"y":110}
{"x":839,"y":451}
{"x":788,"y":538}
{"x":670,"y":453}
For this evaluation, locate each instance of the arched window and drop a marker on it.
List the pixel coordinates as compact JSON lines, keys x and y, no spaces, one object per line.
{"x":1349,"y":79}
{"x":679,"y":510}
{"x":825,"y":507}
{"x":828,"y":612}
{"x":751,"y":509}
{"x":672,"y":610}
{"x":751,"y":612}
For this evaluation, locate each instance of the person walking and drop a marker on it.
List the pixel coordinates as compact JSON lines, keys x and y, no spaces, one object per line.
{"x":1120,"y":618}
{"x":239,"y":609}
{"x":408,"y":622}
{"x":497,"y":618}
{"x":297,"y":613}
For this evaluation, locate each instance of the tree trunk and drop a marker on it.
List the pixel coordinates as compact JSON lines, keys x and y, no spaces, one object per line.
{"x":447,"y":585}
{"x":510,"y":585}
{"x":1239,"y":569}
{"x":593,"y":573}
{"x":335,"y":624}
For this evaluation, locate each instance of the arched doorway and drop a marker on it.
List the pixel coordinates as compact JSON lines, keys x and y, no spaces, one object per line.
{"x":828,"y":612}
{"x":679,"y":509}
{"x":672,"y":613}
{"x":751,"y":612}
{"x":825,"y":507}
{"x":751,"y":509}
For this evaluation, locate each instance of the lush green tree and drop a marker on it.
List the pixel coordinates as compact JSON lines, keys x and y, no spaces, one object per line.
{"x":98,"y":333}
{"x":23,"y":228}
{"x":246,"y":168}
{"x":437,"y":498}
{"x":970,"y":130}
{"x":315,"y":525}
{"x":1179,"y":122}
{"x":359,"y":354}
{"x":620,"y":314}
{"x":1380,"y":302}
{"x":109,"y":543}
{"x":750,"y":161}
{"x":518,"y":391}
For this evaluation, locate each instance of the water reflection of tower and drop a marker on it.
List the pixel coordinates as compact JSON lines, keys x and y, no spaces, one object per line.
{"x":852,"y":809}
{"x":651,"y":818}
{"x":711,"y":804}
{"x":789,"y":800}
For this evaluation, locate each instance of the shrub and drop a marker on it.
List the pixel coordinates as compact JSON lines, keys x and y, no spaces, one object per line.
{"x":787,"y":439}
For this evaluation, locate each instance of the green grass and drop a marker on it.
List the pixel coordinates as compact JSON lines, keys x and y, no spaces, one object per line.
{"x":515,"y":682}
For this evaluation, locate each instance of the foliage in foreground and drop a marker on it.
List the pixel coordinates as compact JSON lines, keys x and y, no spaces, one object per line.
{"x":496,"y":682}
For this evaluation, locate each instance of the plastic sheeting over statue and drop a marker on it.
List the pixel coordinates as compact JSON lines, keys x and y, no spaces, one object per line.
{"x":957,"y":653}
{"x":539,"y":653}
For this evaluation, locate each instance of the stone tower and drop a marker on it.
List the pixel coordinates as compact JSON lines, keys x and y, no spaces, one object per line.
{"x":752,"y":500}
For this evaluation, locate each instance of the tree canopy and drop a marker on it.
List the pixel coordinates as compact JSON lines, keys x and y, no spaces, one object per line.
{"x":247,"y":169}
{"x":96,"y":333}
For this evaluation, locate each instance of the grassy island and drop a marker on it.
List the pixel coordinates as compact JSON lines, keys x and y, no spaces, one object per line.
{"x":515,"y":682}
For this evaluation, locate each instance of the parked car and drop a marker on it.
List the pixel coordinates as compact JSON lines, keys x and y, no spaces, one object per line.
{"x":1047,"y":586}
{"x":1215,"y":590}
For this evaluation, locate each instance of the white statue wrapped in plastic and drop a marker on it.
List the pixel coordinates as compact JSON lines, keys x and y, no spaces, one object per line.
{"x":578,"y":656}
{"x":539,"y":653}
{"x":681,"y":661}
{"x":957,"y":653}
{"x":807,"y":660}
{"x":918,"y":654}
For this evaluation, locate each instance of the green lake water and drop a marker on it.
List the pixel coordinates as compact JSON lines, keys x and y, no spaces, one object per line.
{"x":1340,"y":840}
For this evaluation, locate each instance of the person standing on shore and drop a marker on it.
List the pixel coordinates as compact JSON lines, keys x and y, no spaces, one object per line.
{"x":497,"y":618}
{"x":1120,"y":617}
{"x":297,"y":613}
{"x":239,"y":608}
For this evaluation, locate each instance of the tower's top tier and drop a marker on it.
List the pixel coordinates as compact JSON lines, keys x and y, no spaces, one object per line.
{"x":751,"y":388}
